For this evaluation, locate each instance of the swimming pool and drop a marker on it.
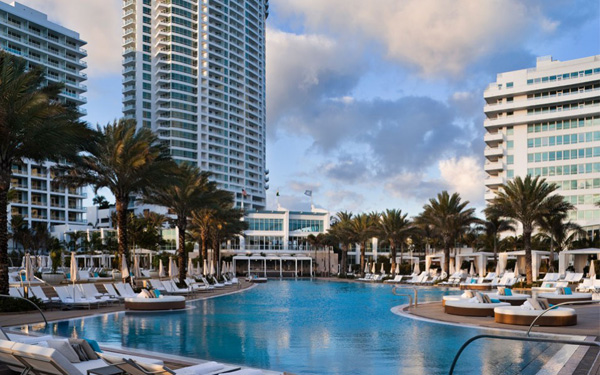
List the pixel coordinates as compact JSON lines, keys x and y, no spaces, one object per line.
{"x":312,"y":327}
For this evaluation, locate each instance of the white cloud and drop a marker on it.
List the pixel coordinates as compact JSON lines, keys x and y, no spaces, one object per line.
{"x":98,"y":22}
{"x":436,"y":37}
{"x":465,"y":176}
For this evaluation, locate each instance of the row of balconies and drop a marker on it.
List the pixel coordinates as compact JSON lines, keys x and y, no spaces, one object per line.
{"x":549,"y":116}
{"x":527,"y":103}
{"x":62,"y":42}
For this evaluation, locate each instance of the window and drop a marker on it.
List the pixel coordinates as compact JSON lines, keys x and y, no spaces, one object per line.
{"x":510,"y":173}
{"x":509,"y":85}
{"x":510,"y":145}
{"x":510,"y":130}
{"x":510,"y":159}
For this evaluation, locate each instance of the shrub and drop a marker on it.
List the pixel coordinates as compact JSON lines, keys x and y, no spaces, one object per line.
{"x":19,"y":305}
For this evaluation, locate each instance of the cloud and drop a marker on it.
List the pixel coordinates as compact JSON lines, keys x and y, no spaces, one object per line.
{"x":97,"y":21}
{"x":347,"y":169}
{"x":438,"y":39}
{"x":465,"y":176}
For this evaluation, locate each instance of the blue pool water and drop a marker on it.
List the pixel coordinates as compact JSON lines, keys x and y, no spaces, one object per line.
{"x":311,"y":327}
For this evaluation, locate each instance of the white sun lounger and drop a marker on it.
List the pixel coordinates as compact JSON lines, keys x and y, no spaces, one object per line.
{"x":91,"y":292}
{"x":66,"y":298}
{"x":173,"y":289}
{"x":124,"y":291}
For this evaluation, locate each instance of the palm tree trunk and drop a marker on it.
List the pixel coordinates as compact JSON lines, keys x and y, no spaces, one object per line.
{"x":4,"y":238}
{"x":528,"y":258}
{"x":181,"y":254}
{"x":495,"y":248}
{"x":122,"y":203}
{"x":362,"y":259}
{"x":401,"y":252}
{"x":344,"y":260}
{"x":204,"y":249}
{"x":447,"y":258}
{"x":551,"y":260}
{"x":393,"y":253}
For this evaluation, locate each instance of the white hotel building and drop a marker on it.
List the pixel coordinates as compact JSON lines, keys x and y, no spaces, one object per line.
{"x":28,"y":33}
{"x":194,"y":73}
{"x":545,"y":121}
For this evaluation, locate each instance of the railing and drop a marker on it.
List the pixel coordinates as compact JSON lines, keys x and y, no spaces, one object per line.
{"x":414,"y":302}
{"x":514,"y":338}
{"x":34,"y":305}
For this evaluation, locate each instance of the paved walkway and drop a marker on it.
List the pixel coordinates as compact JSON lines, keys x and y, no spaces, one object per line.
{"x":588,"y":320}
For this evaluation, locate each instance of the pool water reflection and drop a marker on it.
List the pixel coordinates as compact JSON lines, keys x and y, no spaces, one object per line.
{"x":311,"y":327}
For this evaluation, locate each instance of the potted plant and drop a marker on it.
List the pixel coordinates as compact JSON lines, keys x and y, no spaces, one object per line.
{"x":54,"y":277}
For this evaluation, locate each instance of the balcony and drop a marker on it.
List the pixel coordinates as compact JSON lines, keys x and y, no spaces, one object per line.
{"x":494,"y":166}
{"x":494,"y":181}
{"x":489,"y":195}
{"x":493,"y":152}
{"x":588,"y":110}
{"x":493,"y":138}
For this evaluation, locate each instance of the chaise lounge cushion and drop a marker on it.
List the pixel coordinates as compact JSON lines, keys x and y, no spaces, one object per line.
{"x":64,"y":348}
{"x":86,"y":347}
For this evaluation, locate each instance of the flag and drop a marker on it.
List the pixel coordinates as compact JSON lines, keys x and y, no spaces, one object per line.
{"x":244,"y":193}
{"x":277,"y":193}
{"x":308,"y":193}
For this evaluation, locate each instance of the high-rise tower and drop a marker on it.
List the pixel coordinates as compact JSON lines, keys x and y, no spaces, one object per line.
{"x":194,"y":73}
{"x":545,"y":121}
{"x":28,"y":33}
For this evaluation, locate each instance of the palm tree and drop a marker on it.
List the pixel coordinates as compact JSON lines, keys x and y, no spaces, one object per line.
{"x":363,"y":228}
{"x":341,"y":232}
{"x":528,"y":201}
{"x":560,"y":233}
{"x":125,"y":160}
{"x":200,"y":226}
{"x":395,"y":227}
{"x":227,"y":224}
{"x":449,"y":218}
{"x":33,"y":125}
{"x":493,"y":226}
{"x":190,"y":189}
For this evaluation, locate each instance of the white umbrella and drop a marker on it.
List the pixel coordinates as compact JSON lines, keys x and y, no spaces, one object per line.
{"x":472,"y":270}
{"x":161,"y":269}
{"x":382,"y":269}
{"x":417,"y":268}
{"x":373,"y":267}
{"x":498,"y":268}
{"x":367,"y":267}
{"x":223,"y":267}
{"x":190,"y":267}
{"x":73,"y":271}
{"x":205,"y":268}
{"x":392,"y":269}
{"x":124,"y":269}
{"x":349,"y":268}
{"x":516,"y":271}
{"x":199,"y":269}
{"x":592,"y":274}
{"x":173,"y":270}
{"x":28,"y":268}
{"x":397,"y":269}
{"x":212,"y":268}
{"x":502,"y":259}
{"x":136,"y":267}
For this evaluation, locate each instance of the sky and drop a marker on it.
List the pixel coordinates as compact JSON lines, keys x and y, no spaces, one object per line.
{"x":370,"y":104}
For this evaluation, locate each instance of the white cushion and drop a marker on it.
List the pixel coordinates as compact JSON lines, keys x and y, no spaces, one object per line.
{"x":469,"y":305}
{"x":517,"y":310}
{"x":64,"y":348}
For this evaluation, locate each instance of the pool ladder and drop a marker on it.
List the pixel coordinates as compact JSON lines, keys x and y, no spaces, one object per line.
{"x":527,"y":337}
{"x":411,"y":302}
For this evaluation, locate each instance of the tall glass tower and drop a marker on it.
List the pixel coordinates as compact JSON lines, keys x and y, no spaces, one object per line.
{"x":194,"y":73}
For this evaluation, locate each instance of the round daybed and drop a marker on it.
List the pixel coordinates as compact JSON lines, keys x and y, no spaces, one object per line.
{"x":559,"y":316}
{"x":465,"y":308}
{"x":555,"y":299}
{"x":151,"y":304}
{"x":475,"y":286}
{"x":516,"y":299}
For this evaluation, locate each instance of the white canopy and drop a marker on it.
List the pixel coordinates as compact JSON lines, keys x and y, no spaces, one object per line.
{"x":578,"y":258}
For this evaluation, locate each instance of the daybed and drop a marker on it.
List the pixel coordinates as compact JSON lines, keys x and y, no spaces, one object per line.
{"x":515,"y":299}
{"x":146,"y":301}
{"x":559,"y":316}
{"x":466,"y":308}
{"x":555,"y":298}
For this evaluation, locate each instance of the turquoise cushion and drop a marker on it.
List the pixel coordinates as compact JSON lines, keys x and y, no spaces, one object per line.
{"x":473,"y":281}
{"x":568,"y":291}
{"x":507,"y":292}
{"x":94,"y":345}
{"x":69,"y":276}
{"x":157,"y":293}
{"x":95,"y":274}
{"x":494,"y":300}
{"x":23,"y":278}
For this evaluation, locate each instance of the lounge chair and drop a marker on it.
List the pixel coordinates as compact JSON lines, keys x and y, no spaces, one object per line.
{"x":124,"y":291}
{"x":419,"y":278}
{"x":133,"y":367}
{"x":395,"y":280}
{"x":233,"y":279}
{"x":157,"y":284}
{"x":215,"y":283}
{"x":9,"y":359}
{"x":91,"y":292}
{"x":112,"y":292}
{"x":24,"y":339}
{"x":66,"y":298}
{"x":172,"y":288}
{"x":38,"y":293}
{"x":368,"y":277}
{"x":195,"y":286}
{"x":15,"y":292}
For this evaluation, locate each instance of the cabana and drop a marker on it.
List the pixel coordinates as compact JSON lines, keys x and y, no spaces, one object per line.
{"x":577,"y":258}
{"x":437,"y":257}
{"x":479,"y":259}
{"x":536,"y":260}
{"x":273,"y":258}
